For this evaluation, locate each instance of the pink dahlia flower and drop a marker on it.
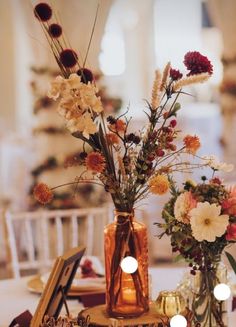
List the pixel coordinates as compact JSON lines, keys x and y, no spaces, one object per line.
{"x":183,"y":204}
{"x":229,"y":205}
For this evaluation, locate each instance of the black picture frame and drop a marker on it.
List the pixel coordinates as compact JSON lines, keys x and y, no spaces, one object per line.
{"x":58,"y":284}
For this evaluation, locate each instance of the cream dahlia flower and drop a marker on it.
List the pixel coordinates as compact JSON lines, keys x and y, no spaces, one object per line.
{"x":207,"y":223}
{"x":183,"y":204}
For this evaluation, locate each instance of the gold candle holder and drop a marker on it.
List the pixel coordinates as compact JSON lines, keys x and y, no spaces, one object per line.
{"x":170,"y":303}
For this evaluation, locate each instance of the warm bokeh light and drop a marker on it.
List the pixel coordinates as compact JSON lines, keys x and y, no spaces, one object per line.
{"x":222,"y":292}
{"x":129,"y":265}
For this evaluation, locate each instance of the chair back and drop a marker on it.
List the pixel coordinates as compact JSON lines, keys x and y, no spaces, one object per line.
{"x":36,"y":238}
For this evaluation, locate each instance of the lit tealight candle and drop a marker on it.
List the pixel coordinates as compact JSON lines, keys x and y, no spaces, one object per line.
{"x":129,"y":265}
{"x":129,"y":295}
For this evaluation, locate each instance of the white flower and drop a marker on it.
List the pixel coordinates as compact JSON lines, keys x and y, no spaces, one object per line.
{"x":85,"y":125}
{"x":70,"y":103}
{"x":57,"y":86}
{"x":207,"y":223}
{"x":227,"y":168}
{"x":214,"y":163}
{"x":183,"y":204}
{"x":78,"y":104}
{"x":89,"y":99}
{"x":74,"y":81}
{"x":98,"y":106}
{"x":210,"y":160}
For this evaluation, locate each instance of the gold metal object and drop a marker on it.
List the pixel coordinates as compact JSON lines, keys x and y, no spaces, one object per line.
{"x":170,"y":303}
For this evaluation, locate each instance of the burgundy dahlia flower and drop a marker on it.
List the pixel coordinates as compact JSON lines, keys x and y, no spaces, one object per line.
{"x":196,"y":63}
{"x":175,"y":74}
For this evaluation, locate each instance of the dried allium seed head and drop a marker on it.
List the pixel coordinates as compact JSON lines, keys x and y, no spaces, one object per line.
{"x":86,"y":75}
{"x":43,"y":12}
{"x":68,"y":58}
{"x":55,"y":30}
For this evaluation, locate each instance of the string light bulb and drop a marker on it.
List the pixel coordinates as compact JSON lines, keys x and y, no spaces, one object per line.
{"x":178,"y":321}
{"x":222,"y":292}
{"x":129,"y":265}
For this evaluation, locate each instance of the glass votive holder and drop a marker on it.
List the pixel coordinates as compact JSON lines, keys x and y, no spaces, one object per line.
{"x":170,"y":303}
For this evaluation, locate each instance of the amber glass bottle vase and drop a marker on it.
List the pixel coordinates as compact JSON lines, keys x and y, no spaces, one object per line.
{"x":126,"y":293}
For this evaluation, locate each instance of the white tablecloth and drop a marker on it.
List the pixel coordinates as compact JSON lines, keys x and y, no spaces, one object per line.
{"x":15,"y":298}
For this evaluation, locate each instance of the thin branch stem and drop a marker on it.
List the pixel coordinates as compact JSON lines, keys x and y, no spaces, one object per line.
{"x":91,"y":36}
{"x":76,"y":182}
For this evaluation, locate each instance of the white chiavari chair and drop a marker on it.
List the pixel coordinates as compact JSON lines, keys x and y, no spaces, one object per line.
{"x":43,"y":235}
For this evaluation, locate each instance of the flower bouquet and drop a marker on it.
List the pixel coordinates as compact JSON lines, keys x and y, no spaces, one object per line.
{"x":128,"y":164}
{"x":201,"y":222}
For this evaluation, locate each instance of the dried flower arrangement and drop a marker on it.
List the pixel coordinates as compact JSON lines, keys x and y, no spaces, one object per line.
{"x":130,"y":165}
{"x":49,"y":127}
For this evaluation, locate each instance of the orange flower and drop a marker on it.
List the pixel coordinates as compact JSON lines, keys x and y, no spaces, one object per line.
{"x":95,"y":162}
{"x":43,"y":193}
{"x":112,"y":138}
{"x":192,"y":143}
{"x":159,"y":184}
{"x":118,"y":126}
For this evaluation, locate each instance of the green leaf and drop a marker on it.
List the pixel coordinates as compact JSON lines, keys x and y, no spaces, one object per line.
{"x":177,"y":106}
{"x":232,"y":261}
{"x":176,"y":229}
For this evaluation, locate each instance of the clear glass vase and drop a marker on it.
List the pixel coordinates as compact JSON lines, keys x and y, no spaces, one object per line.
{"x":126,"y":294}
{"x":207,"y":310}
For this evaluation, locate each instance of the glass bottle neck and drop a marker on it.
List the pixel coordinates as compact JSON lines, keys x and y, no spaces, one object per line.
{"x":122,"y":216}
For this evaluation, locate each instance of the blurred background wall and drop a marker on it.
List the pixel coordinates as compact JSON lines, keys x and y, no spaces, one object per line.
{"x":131,"y":39}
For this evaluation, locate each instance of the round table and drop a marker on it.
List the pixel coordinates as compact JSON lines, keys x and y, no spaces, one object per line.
{"x":15,"y":298}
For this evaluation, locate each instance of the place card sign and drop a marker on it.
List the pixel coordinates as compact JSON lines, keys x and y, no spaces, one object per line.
{"x":58,"y":284}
